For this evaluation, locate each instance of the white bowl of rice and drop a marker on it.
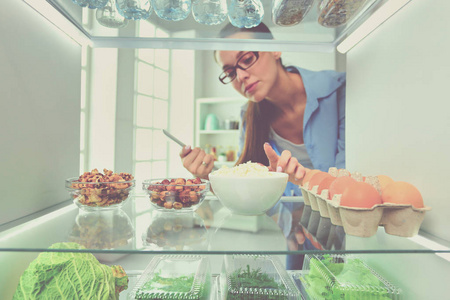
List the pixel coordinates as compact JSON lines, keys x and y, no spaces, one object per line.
{"x":249,"y":188}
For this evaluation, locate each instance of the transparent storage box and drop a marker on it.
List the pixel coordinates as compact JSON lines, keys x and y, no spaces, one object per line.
{"x":344,"y":277}
{"x":334,"y":13}
{"x":174,"y":277}
{"x":256,"y":277}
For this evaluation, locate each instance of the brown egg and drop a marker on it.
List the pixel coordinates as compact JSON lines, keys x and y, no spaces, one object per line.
{"x":400,"y":192}
{"x":339,"y":185}
{"x":317,"y":178}
{"x":384,"y":181}
{"x":362,"y":195}
{"x":325,"y":184}
{"x":308,"y":175}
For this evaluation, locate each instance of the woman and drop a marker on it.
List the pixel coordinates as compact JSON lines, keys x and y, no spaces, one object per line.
{"x":294,"y":119}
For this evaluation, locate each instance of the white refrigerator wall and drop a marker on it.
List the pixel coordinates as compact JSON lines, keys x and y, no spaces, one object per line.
{"x":398,"y":124}
{"x":398,"y":109}
{"x":40,"y":77}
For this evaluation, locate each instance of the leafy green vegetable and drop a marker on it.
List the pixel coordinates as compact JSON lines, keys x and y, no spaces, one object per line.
{"x":181,"y":287}
{"x":350,"y":280}
{"x":251,"y":283}
{"x":68,"y":275}
{"x":182,"y":284}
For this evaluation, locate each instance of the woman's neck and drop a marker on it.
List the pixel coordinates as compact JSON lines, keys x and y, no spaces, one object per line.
{"x":288,"y":91}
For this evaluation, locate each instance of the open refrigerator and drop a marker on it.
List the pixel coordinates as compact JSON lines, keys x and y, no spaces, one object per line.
{"x":397,"y":120}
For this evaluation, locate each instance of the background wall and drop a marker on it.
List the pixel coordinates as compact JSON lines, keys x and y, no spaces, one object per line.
{"x":40,"y":111}
{"x":398,"y":124}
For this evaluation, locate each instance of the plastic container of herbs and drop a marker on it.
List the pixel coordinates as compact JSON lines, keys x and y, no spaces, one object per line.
{"x":174,"y":277}
{"x":336,"y":276}
{"x":260,"y":277}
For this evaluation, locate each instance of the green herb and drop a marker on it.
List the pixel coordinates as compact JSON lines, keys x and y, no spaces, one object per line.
{"x":255,"y":284}
{"x":160,"y":287}
{"x":181,"y":284}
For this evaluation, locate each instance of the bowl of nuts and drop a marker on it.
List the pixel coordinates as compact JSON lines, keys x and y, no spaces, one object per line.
{"x":99,"y":191}
{"x":176,"y":193}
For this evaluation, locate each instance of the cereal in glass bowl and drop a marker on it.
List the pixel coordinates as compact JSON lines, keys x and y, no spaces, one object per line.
{"x":176,"y":193}
{"x":94,"y":190}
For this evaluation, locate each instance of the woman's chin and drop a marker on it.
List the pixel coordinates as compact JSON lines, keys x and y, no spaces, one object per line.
{"x":254,"y":98}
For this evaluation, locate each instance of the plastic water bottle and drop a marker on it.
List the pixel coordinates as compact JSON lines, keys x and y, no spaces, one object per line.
{"x":97,"y":3}
{"x":108,"y":16}
{"x":209,"y":12}
{"x":134,"y":9}
{"x":82,"y":3}
{"x":172,"y":10}
{"x":245,"y":13}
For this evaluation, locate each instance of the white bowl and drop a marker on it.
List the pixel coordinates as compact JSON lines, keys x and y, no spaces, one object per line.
{"x":249,"y":195}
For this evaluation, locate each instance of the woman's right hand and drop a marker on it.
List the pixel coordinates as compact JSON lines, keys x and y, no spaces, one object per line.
{"x":197,"y":162}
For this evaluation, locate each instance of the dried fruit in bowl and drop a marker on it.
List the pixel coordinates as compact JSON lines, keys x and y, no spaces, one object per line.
{"x":176,"y":193}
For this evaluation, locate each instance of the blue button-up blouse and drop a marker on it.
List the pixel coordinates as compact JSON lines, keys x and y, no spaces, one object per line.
{"x":323,"y":130}
{"x":324,"y":118}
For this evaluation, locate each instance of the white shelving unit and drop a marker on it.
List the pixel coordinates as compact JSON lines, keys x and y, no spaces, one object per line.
{"x":224,"y":108}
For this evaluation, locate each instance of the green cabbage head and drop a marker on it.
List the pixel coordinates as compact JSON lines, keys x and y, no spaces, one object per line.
{"x":69,"y":275}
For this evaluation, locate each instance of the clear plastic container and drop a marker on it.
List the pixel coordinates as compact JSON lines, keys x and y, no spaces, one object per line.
{"x":258,"y":277}
{"x":174,"y":277}
{"x":134,"y":9}
{"x":109,"y":16}
{"x":209,"y":12}
{"x":245,"y":13}
{"x":335,"y":13}
{"x":172,"y":10}
{"x":339,"y":276}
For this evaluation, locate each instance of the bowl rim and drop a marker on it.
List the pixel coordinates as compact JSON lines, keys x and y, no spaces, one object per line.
{"x":150,"y":182}
{"x":74,"y":179}
{"x":279,"y":175}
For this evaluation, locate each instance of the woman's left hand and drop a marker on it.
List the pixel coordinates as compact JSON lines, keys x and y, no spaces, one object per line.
{"x":285,"y":163}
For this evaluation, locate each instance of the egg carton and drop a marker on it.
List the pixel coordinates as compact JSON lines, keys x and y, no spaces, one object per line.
{"x":397,"y":219}
{"x":309,"y":196}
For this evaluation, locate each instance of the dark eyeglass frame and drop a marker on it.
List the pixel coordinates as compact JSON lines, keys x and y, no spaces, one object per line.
{"x":223,"y":77}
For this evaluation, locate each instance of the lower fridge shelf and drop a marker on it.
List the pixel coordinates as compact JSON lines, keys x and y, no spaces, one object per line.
{"x":216,"y":293}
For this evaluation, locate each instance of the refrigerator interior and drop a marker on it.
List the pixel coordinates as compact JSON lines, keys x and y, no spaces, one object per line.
{"x":397,"y":120}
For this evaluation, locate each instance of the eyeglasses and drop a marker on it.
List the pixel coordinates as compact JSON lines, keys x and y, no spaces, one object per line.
{"x":244,"y":62}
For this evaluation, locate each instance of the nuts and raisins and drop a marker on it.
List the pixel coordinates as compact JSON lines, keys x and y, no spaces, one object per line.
{"x":176,"y":193}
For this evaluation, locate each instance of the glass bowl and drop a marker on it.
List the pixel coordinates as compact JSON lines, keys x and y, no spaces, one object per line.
{"x":91,"y":196}
{"x":168,"y":231}
{"x":110,"y":229}
{"x":176,"y":194}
